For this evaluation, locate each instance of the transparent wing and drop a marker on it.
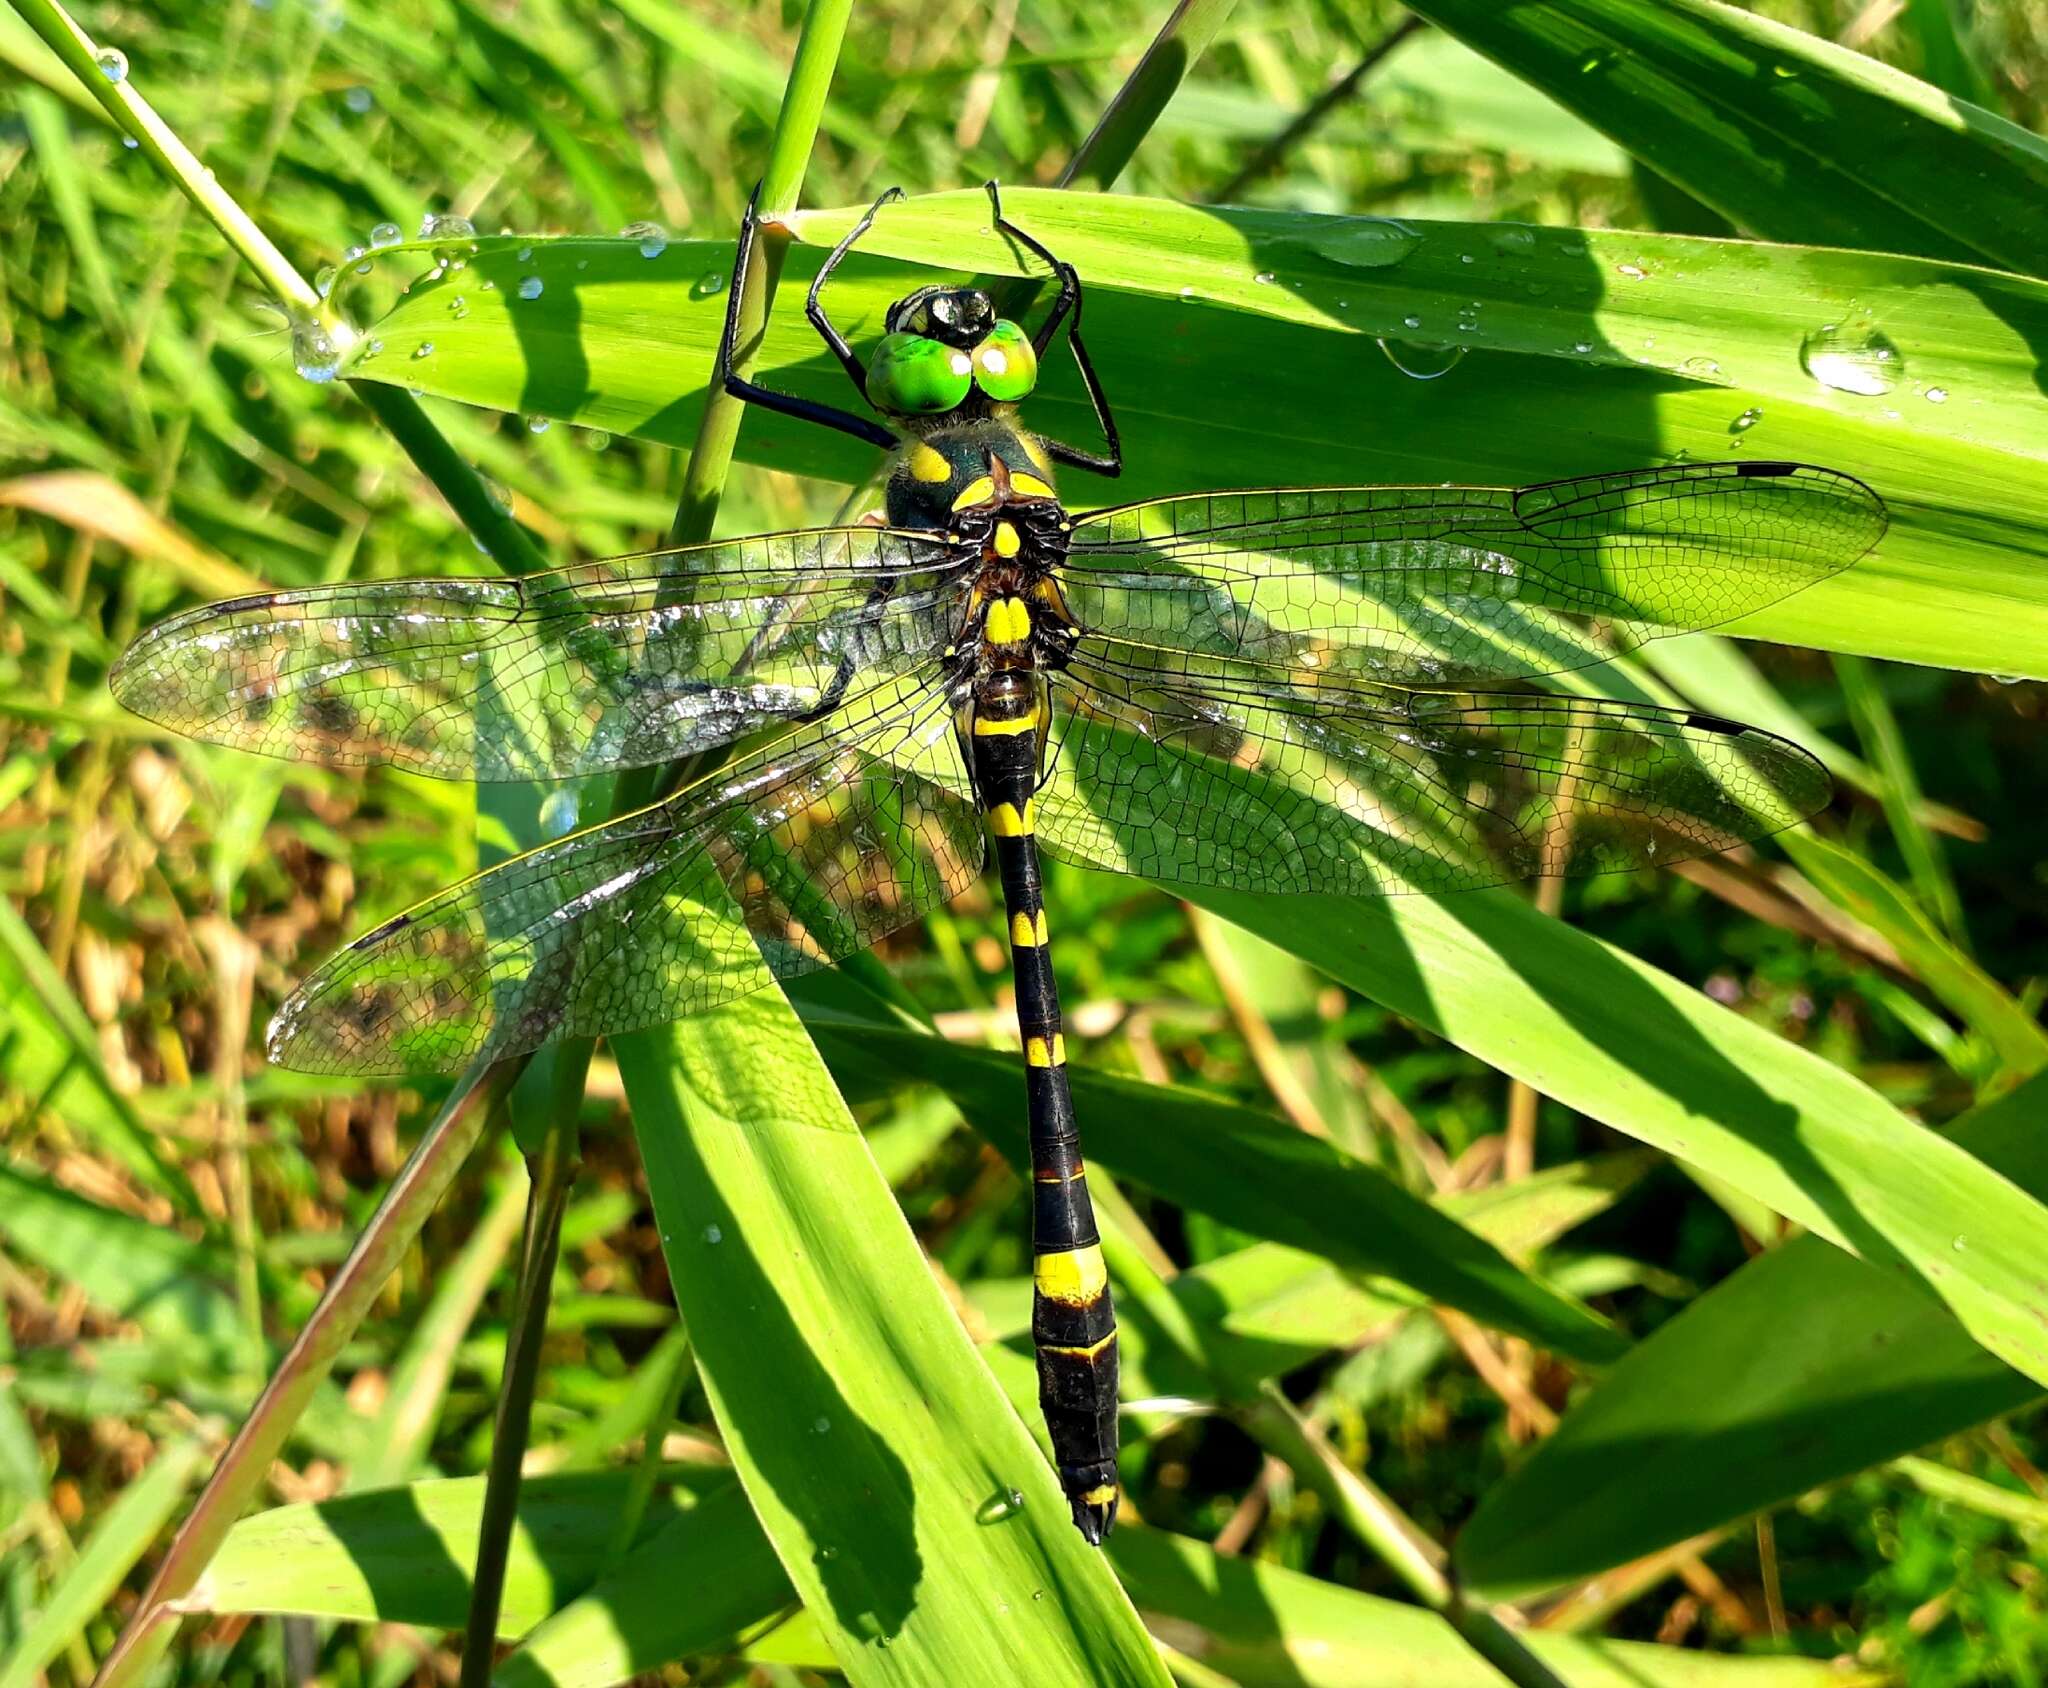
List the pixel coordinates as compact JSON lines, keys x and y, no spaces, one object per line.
{"x":605,"y":665}
{"x":788,"y":858}
{"x":1214,"y":772}
{"x":1455,"y":585}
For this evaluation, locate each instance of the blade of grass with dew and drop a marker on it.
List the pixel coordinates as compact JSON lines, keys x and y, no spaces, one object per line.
{"x":1958,"y":581}
{"x":1820,"y":1364}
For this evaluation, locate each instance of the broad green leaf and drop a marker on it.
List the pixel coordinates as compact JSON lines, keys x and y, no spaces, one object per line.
{"x":1632,"y":1047}
{"x":123,"y":1533}
{"x":1785,"y":134}
{"x":405,"y":1555}
{"x":872,"y":1443}
{"x":1971,"y":994}
{"x":1821,"y":1364}
{"x":1243,"y":1167}
{"x":1692,"y":347}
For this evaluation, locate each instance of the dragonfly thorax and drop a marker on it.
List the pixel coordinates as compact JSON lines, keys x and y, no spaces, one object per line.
{"x":938,"y":475}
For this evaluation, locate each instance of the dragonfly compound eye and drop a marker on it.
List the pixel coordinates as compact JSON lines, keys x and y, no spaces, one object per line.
{"x":915,"y":376}
{"x":1005,"y":366}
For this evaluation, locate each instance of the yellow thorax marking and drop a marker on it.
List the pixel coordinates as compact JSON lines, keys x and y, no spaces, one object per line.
{"x":1100,"y":1497}
{"x":1008,"y":542}
{"x":1038,"y":1054}
{"x":1008,"y":623}
{"x":1006,"y":822}
{"x":1028,"y":931}
{"x":988,"y":727}
{"x":1075,"y":1275}
{"x":1031,"y":485}
{"x":927,"y":465}
{"x":976,"y":492}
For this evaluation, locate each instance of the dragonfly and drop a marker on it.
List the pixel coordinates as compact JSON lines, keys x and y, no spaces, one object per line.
{"x":1310,"y":689}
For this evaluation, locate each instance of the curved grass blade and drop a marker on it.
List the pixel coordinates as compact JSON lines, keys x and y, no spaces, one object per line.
{"x":1625,"y":1044}
{"x":1822,"y":1365}
{"x":1749,"y":115}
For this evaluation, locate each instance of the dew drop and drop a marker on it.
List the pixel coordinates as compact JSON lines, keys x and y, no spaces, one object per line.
{"x":1411,"y":322}
{"x":821,"y":1426}
{"x":1419,"y":362}
{"x":1004,"y":1503}
{"x":1937,"y":395}
{"x":425,"y":349}
{"x":1746,"y":421}
{"x":130,"y":142}
{"x":385,"y":234}
{"x":530,"y":287}
{"x":598,"y":440}
{"x":709,"y":284}
{"x":1187,"y":292}
{"x":536,"y":424}
{"x":1700,"y":369}
{"x":113,"y":63}
{"x":713,"y":1235}
{"x":314,"y":354}
{"x":652,"y":238}
{"x":1466,"y":258}
{"x":1853,"y":356}
{"x":358,"y":100}
{"x":458,"y":307}
{"x":1635,"y":272}
{"x":1583,"y":347}
{"x":524,"y":253}
{"x":1959,"y":1244}
{"x":323,"y":280}
{"x":1365,"y":243}
{"x":1264,"y":278}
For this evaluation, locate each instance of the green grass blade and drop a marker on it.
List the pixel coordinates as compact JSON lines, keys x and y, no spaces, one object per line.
{"x":869,"y":1437}
{"x":1750,"y":115}
{"x":121,"y":1536}
{"x":1628,"y":1045}
{"x":1820,"y":1364}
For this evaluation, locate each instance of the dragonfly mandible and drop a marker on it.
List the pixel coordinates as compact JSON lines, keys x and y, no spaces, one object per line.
{"x":1307,"y":689}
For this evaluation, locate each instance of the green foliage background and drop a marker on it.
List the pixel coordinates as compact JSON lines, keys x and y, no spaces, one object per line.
{"x":1675,"y":1265}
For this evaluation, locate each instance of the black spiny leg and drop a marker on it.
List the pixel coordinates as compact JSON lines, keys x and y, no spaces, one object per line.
{"x":1066,"y":308}
{"x":814,"y":301}
{"x":804,"y":410}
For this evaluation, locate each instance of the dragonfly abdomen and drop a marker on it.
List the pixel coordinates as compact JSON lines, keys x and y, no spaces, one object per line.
{"x":1073,"y":1323}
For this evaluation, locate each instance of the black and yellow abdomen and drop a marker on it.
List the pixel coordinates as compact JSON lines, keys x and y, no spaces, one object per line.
{"x":1073,"y":1325}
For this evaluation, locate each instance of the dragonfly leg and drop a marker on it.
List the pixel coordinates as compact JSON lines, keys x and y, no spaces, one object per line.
{"x":1067,"y":308}
{"x":814,"y":301}
{"x":752,"y":392}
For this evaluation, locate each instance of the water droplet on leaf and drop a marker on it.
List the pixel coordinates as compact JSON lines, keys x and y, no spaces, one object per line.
{"x":1853,"y":356}
{"x":385,"y":234}
{"x":113,"y":63}
{"x":1004,"y":1503}
{"x":314,"y":354}
{"x":530,"y":288}
{"x":1420,"y":362}
{"x":652,"y":238}
{"x":1746,"y":421}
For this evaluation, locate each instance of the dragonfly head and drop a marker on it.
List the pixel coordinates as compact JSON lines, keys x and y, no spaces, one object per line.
{"x":945,"y":345}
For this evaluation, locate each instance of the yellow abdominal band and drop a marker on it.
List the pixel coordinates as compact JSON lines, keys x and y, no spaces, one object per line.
{"x":1076,"y":1276}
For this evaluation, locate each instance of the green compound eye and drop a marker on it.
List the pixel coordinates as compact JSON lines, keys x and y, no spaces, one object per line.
{"x":1005,"y":366}
{"x":914,"y":376}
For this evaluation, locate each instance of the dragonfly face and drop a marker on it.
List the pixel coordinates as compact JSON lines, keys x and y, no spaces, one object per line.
{"x":1296,"y":689}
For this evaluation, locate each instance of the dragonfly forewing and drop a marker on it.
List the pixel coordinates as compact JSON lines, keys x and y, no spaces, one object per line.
{"x":1434,"y":586}
{"x":624,"y":663}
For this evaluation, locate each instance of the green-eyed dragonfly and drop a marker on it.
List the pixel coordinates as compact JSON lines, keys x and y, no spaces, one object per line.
{"x":1276,"y":690}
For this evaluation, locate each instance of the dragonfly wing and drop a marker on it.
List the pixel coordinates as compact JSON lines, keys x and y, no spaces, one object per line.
{"x":1462,"y":585}
{"x":784,"y":860}
{"x":606,"y":665}
{"x":1211,"y":772}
